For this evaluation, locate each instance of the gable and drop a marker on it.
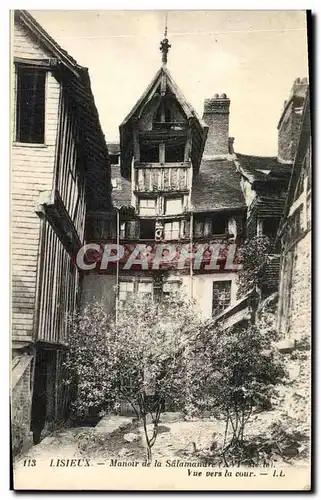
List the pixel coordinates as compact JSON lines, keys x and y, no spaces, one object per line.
{"x":26,"y":46}
{"x":162,"y":91}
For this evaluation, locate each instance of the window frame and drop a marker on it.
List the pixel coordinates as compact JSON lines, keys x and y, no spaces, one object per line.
{"x":147,"y":199}
{"x":171,"y":231}
{"x":43,"y":66}
{"x":218,"y":310}
{"x":226,"y":218}
{"x":174,"y":198}
{"x":177,"y":282}
{"x":135,"y":288}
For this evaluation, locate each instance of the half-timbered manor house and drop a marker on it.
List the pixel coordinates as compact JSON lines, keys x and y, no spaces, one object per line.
{"x":59,"y":171}
{"x":174,"y":183}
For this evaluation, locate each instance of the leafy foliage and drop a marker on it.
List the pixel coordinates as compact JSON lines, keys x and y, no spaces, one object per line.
{"x":255,"y":259}
{"x":234,"y":374}
{"x":142,"y":359}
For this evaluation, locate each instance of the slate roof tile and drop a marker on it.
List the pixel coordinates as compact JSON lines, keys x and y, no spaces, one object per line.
{"x":217,"y":187}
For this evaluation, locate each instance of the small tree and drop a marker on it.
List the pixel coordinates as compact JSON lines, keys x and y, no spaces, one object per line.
{"x":239,"y":372}
{"x":142,"y":359}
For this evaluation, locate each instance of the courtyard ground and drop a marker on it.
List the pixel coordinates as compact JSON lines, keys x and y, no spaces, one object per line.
{"x":122,"y":438}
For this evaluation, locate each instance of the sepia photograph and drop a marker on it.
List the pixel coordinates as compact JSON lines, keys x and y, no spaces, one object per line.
{"x":160,"y":241}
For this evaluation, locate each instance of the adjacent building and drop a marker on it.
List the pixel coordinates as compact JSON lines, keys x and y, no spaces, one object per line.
{"x":59,"y":170}
{"x":294,"y":314}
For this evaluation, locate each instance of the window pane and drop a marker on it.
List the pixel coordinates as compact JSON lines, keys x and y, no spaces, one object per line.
{"x":126,"y":286}
{"x":221,"y":296}
{"x":173,"y":206}
{"x":145,"y":287}
{"x":147,"y":229}
{"x":219,"y":224}
{"x":147,"y":206}
{"x":171,"y":230}
{"x":30,"y":105}
{"x":171,"y":286}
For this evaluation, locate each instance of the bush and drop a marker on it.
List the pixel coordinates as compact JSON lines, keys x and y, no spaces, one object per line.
{"x":142,"y":359}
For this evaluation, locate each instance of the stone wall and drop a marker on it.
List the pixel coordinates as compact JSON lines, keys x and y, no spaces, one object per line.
{"x":21,"y":397}
{"x":300,"y":306}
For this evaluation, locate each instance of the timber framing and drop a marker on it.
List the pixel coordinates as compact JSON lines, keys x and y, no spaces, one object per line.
{"x":58,"y":217}
{"x":196,"y":128}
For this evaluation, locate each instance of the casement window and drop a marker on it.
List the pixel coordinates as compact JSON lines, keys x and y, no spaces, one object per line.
{"x":220,"y":224}
{"x":145,"y":288}
{"x":147,"y":229}
{"x":126,"y":289}
{"x":171,"y":287}
{"x":171,"y":230}
{"x":173,"y":206}
{"x":128,"y":230}
{"x":30,"y":105}
{"x":147,"y":206}
{"x":221,"y":296}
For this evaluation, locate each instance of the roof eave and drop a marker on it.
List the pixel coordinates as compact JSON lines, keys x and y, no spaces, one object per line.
{"x":27,"y":19}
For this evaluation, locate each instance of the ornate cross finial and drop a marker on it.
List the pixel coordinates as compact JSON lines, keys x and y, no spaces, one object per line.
{"x":164,"y":45}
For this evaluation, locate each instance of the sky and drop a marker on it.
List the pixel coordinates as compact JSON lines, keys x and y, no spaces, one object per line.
{"x":252,"y":56}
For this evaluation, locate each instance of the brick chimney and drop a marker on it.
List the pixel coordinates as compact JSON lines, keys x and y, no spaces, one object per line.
{"x":216,"y":116}
{"x":290,"y":122}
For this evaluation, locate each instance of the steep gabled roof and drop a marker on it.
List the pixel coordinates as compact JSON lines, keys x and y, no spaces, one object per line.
{"x":217,"y":187}
{"x":150,"y":91}
{"x":263,"y":169}
{"x":76,"y":83}
{"x":199,"y":127}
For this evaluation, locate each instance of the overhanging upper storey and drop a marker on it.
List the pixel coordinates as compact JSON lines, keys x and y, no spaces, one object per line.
{"x":162,"y":127}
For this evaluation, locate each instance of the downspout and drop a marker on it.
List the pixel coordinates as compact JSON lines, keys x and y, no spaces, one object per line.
{"x":191,"y":256}
{"x":117,"y":265}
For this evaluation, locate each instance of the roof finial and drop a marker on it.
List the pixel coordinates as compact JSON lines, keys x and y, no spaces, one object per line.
{"x":164,"y":45}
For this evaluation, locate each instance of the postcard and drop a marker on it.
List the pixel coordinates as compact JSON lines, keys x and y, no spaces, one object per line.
{"x":161,"y":186}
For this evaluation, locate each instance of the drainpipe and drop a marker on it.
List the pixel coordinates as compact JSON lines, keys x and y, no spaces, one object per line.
{"x":117,"y":265}
{"x":191,"y":260}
